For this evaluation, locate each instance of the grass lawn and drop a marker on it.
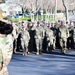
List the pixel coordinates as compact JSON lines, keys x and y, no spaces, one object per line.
{"x":27,"y":18}
{"x":19,"y":19}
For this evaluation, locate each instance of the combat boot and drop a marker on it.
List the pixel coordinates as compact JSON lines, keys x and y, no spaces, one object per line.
{"x":53,"y":48}
{"x":24,"y":54}
{"x":50,"y":49}
{"x":14,"y":50}
{"x":47,"y":49}
{"x":28,"y":52}
{"x":38,"y":53}
{"x":63,"y":50}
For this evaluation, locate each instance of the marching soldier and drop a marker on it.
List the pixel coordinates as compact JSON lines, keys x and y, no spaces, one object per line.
{"x":15,"y":36}
{"x":39,"y":36}
{"x":63,"y":35}
{"x":50,"y":40}
{"x":25,"y":37}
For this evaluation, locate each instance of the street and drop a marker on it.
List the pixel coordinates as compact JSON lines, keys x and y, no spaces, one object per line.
{"x":45,"y":64}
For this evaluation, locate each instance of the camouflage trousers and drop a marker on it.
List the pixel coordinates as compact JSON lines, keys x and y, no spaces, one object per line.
{"x":63,"y":44}
{"x":15,"y":45}
{"x":38,"y":43}
{"x":51,"y":41}
{"x":24,"y":44}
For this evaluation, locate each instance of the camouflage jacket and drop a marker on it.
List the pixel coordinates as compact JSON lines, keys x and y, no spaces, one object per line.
{"x":63,"y":32}
{"x":6,"y":49}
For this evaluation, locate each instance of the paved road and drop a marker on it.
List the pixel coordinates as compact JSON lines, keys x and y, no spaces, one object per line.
{"x":46,"y":64}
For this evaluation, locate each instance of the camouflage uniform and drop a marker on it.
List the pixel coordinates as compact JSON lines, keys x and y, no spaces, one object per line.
{"x":25,"y":37}
{"x":74,"y":37}
{"x":50,"y":39}
{"x":39,"y":35}
{"x":15,"y":36}
{"x":6,"y":49}
{"x":63,"y":35}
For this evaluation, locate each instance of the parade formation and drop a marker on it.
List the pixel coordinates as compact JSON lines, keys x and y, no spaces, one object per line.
{"x":43,"y":36}
{"x":34,"y":28}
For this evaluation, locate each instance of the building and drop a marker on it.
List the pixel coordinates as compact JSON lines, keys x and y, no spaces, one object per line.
{"x":10,"y":9}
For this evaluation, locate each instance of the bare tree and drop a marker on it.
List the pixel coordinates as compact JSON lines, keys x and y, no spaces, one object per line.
{"x":31,"y":7}
{"x":49,"y":7}
{"x":66,"y":8}
{"x":21,"y":3}
{"x":66,"y":4}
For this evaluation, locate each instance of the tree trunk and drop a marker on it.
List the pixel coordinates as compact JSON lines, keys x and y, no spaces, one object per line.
{"x":55,"y":9}
{"x":23,"y":12}
{"x":66,"y":9}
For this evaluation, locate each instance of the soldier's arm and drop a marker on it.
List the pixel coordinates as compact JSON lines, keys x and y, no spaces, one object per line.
{"x":67,"y":33}
{"x":43,"y":33}
{"x":59,"y":32}
{"x":55,"y":32}
{"x":7,"y":51}
{"x":47,"y":35}
{"x":1,"y":60}
{"x":28,"y":35}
